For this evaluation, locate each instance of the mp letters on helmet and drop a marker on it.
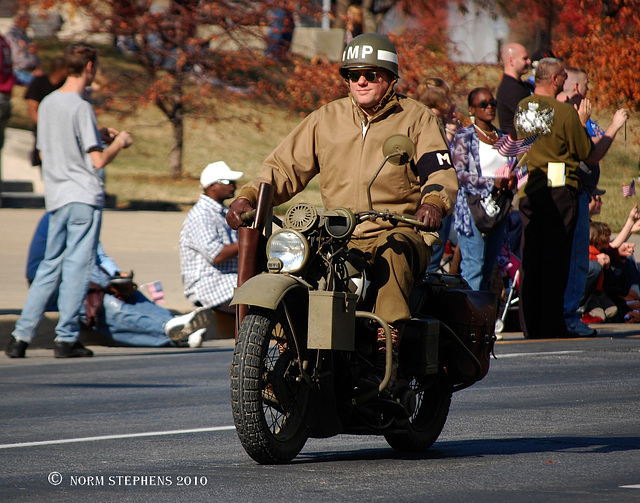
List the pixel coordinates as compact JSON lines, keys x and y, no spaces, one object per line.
{"x":362,"y":51}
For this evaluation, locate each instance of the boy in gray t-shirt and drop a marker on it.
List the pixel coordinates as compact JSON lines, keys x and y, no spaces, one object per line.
{"x":68,"y":132}
{"x":72,"y":157}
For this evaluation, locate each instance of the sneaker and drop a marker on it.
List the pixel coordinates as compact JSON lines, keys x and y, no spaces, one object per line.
{"x":16,"y":348}
{"x":180,"y":327}
{"x":195,"y":339}
{"x":589,"y":318}
{"x":70,"y":350}
{"x":598,"y":312}
{"x":577,"y":328}
{"x":610,"y":309}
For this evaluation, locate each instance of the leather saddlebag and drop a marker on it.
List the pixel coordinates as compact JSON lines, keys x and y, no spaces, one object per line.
{"x":471,"y":316}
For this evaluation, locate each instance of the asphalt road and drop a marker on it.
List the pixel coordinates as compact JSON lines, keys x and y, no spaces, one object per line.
{"x":555,"y":420}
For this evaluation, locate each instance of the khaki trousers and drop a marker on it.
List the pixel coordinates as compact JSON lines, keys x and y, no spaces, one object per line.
{"x":400,"y":255}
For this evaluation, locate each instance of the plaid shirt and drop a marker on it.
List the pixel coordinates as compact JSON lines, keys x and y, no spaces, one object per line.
{"x":204,"y":233}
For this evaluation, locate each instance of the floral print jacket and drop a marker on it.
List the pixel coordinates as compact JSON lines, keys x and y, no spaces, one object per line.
{"x":466,"y":161}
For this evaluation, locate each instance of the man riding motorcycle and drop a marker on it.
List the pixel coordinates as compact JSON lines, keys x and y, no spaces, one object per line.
{"x":342,"y":142}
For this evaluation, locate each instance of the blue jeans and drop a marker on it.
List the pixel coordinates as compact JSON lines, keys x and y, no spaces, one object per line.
{"x":595,"y":269}
{"x":438,"y":250}
{"x":66,"y":268}
{"x":138,"y":322}
{"x":579,"y":266}
{"x":480,"y":254}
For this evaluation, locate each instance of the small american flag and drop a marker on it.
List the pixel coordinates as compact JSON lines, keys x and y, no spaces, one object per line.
{"x":503,"y":171}
{"x":509,"y":147}
{"x":522,"y":174}
{"x":156,"y":291}
{"x":629,"y":190}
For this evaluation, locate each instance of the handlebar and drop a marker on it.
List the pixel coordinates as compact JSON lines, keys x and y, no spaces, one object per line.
{"x":389,"y":216}
{"x":372,"y":215}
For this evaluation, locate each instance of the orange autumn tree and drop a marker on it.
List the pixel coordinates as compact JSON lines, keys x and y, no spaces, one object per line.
{"x":197,"y":54}
{"x":423,"y":49}
{"x":600,"y":36}
{"x":603,"y":38}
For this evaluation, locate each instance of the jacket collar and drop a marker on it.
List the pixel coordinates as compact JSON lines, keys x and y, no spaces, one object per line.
{"x":388,"y":101}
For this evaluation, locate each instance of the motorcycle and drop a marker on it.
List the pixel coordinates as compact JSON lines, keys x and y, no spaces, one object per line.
{"x":306,"y":336}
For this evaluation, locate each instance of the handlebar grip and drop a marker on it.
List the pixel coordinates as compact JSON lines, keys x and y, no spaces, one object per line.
{"x":412,"y":221}
{"x":248,"y":216}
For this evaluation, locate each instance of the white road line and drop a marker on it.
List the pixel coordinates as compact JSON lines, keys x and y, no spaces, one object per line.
{"x":634,"y":486}
{"x":550,"y":353}
{"x":115,"y":437}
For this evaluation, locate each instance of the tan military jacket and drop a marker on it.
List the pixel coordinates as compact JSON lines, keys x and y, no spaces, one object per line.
{"x":344,"y":146}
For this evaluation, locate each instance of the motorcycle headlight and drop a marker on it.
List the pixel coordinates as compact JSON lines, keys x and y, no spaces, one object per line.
{"x":290,"y":247}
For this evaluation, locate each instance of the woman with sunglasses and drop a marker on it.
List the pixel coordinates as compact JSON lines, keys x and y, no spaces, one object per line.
{"x":480,"y":168}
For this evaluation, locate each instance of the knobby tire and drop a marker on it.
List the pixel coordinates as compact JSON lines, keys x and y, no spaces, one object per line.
{"x":269,"y":403}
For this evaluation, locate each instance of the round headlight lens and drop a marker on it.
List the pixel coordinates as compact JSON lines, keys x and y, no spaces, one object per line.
{"x":290,"y":247}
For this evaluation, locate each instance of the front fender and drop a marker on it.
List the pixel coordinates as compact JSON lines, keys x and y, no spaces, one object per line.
{"x":266,"y":290}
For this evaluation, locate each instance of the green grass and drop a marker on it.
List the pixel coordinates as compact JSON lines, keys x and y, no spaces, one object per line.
{"x":247,"y":131}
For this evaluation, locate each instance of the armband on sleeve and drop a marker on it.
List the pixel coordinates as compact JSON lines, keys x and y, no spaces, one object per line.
{"x":431,"y":162}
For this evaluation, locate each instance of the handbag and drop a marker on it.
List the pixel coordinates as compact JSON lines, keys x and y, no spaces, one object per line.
{"x":490,"y":211}
{"x":93,"y":304}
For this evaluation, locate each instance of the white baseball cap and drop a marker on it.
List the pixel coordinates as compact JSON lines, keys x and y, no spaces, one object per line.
{"x":218,"y":171}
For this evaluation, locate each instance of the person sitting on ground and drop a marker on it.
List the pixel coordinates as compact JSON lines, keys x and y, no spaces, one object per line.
{"x":208,"y":246}
{"x":596,"y":305}
{"x":127,"y":317}
{"x":620,"y":278}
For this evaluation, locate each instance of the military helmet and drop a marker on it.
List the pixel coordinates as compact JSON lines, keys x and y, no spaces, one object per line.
{"x":369,"y":50}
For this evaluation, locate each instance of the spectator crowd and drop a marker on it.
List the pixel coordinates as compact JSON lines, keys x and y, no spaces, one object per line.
{"x":526,"y":157}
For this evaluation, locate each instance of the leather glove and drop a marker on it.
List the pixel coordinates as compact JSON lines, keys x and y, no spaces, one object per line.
{"x":430,"y":215}
{"x":237,"y":208}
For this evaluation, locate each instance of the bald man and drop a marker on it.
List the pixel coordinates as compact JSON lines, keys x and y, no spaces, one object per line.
{"x":512,"y":89}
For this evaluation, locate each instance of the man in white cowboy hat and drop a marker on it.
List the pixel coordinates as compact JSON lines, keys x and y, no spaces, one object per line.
{"x":208,"y":246}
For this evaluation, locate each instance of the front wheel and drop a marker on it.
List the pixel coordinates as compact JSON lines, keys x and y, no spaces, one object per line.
{"x":426,"y":423}
{"x":269,"y":399}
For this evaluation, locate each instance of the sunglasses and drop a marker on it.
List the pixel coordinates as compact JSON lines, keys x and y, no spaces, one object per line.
{"x":369,"y":75}
{"x":225,"y":182}
{"x":485,"y":104}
